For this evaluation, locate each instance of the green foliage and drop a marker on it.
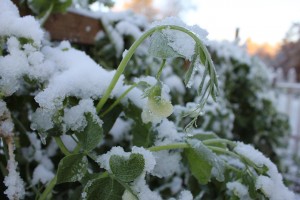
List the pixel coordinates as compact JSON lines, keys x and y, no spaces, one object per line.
{"x":41,"y":6}
{"x":127,"y":170}
{"x":199,"y":166}
{"x":103,"y":188}
{"x":72,"y":168}
{"x":143,"y":134}
{"x":92,"y":134}
{"x":202,"y":161}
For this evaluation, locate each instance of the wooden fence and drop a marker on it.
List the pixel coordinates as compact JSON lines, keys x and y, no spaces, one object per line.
{"x":289,"y":103}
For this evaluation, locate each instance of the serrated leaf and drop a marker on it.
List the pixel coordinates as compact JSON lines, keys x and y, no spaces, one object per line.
{"x":127,"y":170}
{"x":104,"y":189}
{"x":92,"y":134}
{"x":159,"y":47}
{"x":72,"y":168}
{"x":203,"y":162}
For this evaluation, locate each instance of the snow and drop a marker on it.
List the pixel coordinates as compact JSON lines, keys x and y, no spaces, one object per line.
{"x":167,"y":137}
{"x":68,"y":142}
{"x":175,"y":84}
{"x":81,"y":77}
{"x":13,"y":67}
{"x":7,"y":127}
{"x":120,"y":129}
{"x":271,"y":185}
{"x":185,"y":195}
{"x":238,"y":190}
{"x":13,"y":182}
{"x":143,"y":191}
{"x":167,"y":163}
{"x":128,"y":196}
{"x":74,"y":118}
{"x":12,"y":25}
{"x":42,"y":174}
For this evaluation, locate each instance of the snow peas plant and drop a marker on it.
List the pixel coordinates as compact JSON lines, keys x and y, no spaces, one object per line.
{"x":103,"y":137}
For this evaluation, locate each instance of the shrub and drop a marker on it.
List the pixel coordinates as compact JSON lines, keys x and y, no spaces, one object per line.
{"x":106,"y":137}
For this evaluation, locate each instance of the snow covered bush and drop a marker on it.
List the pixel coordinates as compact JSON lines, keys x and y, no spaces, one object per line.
{"x":72,"y":129}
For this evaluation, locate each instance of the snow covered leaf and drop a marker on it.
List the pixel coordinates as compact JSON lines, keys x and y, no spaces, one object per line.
{"x":103,"y":188}
{"x":72,"y":168}
{"x":127,"y":170}
{"x":159,"y":47}
{"x":91,"y":136}
{"x":203,"y":162}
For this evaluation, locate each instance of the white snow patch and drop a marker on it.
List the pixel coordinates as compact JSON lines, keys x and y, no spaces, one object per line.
{"x":272,"y":185}
{"x":42,"y":174}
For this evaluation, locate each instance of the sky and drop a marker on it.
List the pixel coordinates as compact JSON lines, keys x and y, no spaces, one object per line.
{"x":264,"y":21}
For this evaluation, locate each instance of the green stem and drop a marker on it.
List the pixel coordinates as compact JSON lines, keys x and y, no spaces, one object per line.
{"x":76,"y":149}
{"x":219,"y":140}
{"x":169,"y":147}
{"x":160,"y":69}
{"x":223,"y":151}
{"x":118,"y":100}
{"x":48,"y":189}
{"x":131,"y":51}
{"x":62,"y":146}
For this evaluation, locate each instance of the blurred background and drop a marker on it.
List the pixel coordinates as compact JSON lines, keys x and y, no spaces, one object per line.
{"x":269,"y":28}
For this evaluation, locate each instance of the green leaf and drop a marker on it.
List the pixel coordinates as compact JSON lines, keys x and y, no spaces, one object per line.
{"x":126,"y":170}
{"x":200,"y":168}
{"x":72,"y":168}
{"x":159,"y":47}
{"x":61,"y":6}
{"x":189,"y":73}
{"x":88,"y":177}
{"x":203,"y":162}
{"x":110,"y":118}
{"x":104,"y":189}
{"x":92,"y":134}
{"x":41,"y":6}
{"x":143,"y":134}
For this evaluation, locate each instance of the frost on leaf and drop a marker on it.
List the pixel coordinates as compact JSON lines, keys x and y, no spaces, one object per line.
{"x":72,"y":168}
